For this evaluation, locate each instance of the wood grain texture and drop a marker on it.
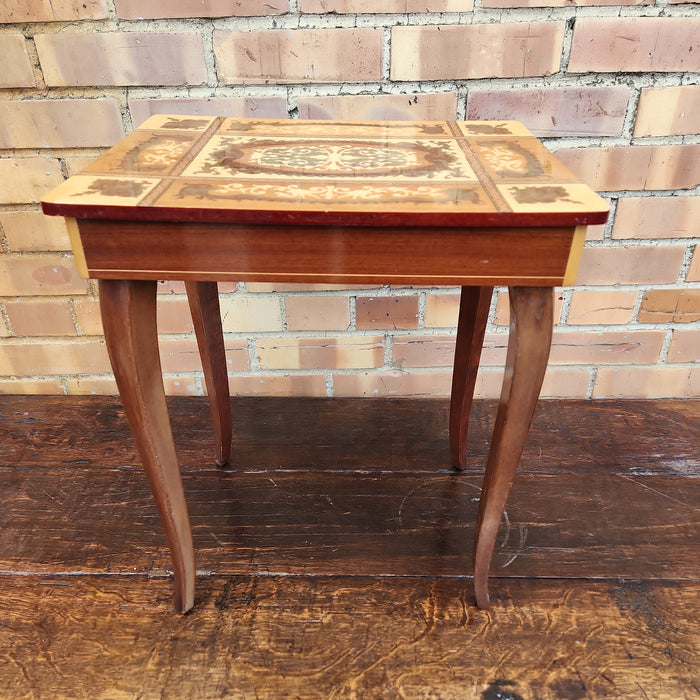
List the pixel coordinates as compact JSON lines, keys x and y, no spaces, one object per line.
{"x":104,"y":521}
{"x":566,"y":436}
{"x":128,"y":311}
{"x":349,"y":637}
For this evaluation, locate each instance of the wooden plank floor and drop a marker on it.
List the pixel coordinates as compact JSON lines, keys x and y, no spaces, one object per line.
{"x":334,"y":556}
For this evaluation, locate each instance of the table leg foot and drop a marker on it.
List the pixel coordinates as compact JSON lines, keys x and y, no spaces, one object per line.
{"x":474,"y":307}
{"x":129,"y":318}
{"x":203,"y":298}
{"x":531,"y":310}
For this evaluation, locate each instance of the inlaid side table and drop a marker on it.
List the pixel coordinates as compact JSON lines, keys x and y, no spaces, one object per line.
{"x":199,"y":199}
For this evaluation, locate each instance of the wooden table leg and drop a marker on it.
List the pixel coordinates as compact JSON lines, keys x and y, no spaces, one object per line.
{"x":206,"y":316}
{"x":129,"y":320}
{"x":531,"y":319}
{"x":474,"y":307}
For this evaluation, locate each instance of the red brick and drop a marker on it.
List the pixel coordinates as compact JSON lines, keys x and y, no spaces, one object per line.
{"x":60,"y":123}
{"x":40,"y":317}
{"x":174,"y":315}
{"x":278,"y":385}
{"x":643,"y":44}
{"x":669,"y":111}
{"x":182,"y":355}
{"x":636,"y":167}
{"x":423,"y":350}
{"x":589,"y":307}
{"x":58,"y":358}
{"x":31,"y":386}
{"x":298,"y":56}
{"x":100,"y":386}
{"x":630,"y":265}
{"x":313,"y":313}
{"x":657,"y":217}
{"x":348,"y":352}
{"x":87,"y":314}
{"x":39,"y":275}
{"x":163,"y":9}
{"x":436,"y":106}
{"x":250,"y":314}
{"x":180,"y":385}
{"x":386,"y":312}
{"x":685,"y":345}
{"x":393,"y":383}
{"x":52,"y":10}
{"x":33,"y":230}
{"x":384,"y":6}
{"x":441,"y":310}
{"x":25,"y":180}
{"x":591,"y":111}
{"x":505,"y":4}
{"x":606,"y":348}
{"x":694,"y":270}
{"x":476,"y":51}
{"x":263,"y":107}
{"x":122,"y":58}
{"x":647,"y":382}
{"x":670,"y":306}
{"x":15,"y":66}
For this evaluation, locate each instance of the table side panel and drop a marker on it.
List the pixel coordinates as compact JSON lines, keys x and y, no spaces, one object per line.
{"x":407,"y":255}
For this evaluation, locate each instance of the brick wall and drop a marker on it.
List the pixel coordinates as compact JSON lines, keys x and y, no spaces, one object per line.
{"x":609,"y":84}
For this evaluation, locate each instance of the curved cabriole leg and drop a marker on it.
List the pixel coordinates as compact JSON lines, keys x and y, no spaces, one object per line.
{"x":129,"y":319}
{"x":528,"y":350}
{"x":474,"y":307}
{"x":206,"y":316}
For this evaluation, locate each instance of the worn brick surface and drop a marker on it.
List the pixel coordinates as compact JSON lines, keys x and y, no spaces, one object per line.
{"x":25,"y":180}
{"x":635,"y":167}
{"x":261,"y":107}
{"x":555,"y":111}
{"x":630,"y":265}
{"x":39,"y":275}
{"x":441,"y":310}
{"x":157,"y":9}
{"x":670,"y":306}
{"x":647,"y":382}
{"x":505,"y":4}
{"x":320,"y":353}
{"x":385,"y":6}
{"x":57,"y":357}
{"x":424,"y":351}
{"x":250,"y":314}
{"x":52,"y":10}
{"x":476,"y":51}
{"x":317,"y":313}
{"x":182,"y":355}
{"x":437,"y":106}
{"x":670,"y":111}
{"x":606,"y":347}
{"x":34,"y":231}
{"x":31,"y":386}
{"x":601,"y":307}
{"x":15,"y":66}
{"x":60,"y":123}
{"x":694,"y":269}
{"x":386,"y":312}
{"x":685,"y":345}
{"x":625,"y":44}
{"x":301,"y":55}
{"x":393,"y":383}
{"x":40,"y":317}
{"x":278,"y":385}
{"x":657,"y":217}
{"x":122,"y":58}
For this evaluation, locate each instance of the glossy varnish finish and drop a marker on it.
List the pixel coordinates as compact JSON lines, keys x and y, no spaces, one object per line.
{"x":340,"y":566}
{"x":203,"y":199}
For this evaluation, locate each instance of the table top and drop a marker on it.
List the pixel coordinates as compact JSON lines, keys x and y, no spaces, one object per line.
{"x":206,"y":169}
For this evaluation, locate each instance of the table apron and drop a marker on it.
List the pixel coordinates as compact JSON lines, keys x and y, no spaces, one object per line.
{"x":525,"y":256}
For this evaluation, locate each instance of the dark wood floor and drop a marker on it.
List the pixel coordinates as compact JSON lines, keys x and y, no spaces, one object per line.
{"x":334,"y":556}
